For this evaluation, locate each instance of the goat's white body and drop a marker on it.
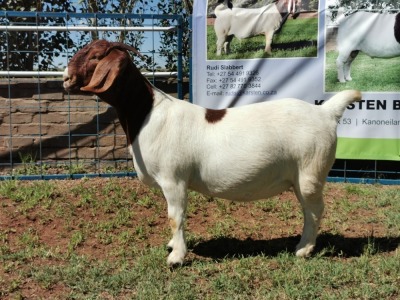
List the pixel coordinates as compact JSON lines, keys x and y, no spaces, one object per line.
{"x":244,"y":23}
{"x":250,"y":154}
{"x":370,"y":33}
{"x":253,"y":152}
{"x":245,"y":153}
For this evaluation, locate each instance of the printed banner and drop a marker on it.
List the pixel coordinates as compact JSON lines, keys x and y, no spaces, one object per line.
{"x":308,"y":50}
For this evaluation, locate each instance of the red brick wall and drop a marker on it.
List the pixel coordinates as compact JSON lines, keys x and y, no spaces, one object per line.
{"x":40,"y":118}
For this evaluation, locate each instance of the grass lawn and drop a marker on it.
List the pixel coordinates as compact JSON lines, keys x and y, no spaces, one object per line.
{"x":369,"y":74}
{"x":105,"y":239}
{"x":293,"y":41}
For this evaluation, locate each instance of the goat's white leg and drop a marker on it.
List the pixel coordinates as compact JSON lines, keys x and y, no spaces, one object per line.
{"x":340,"y":61}
{"x":221,"y":44}
{"x":347,"y":65}
{"x":268,"y":42}
{"x":343,"y":64}
{"x":309,"y":194}
{"x":227,"y":44}
{"x":227,"y":48}
{"x":176,"y":195}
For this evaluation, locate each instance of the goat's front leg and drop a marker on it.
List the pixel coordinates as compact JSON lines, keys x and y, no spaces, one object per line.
{"x":220,"y":45}
{"x":343,"y":64}
{"x":268,"y":42}
{"x":309,"y":193}
{"x":347,"y":65}
{"x":340,"y":62}
{"x":176,"y":195}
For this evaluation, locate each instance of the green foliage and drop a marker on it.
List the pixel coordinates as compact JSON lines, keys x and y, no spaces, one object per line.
{"x":20,"y":50}
{"x":369,"y":4}
{"x":25,"y":50}
{"x":351,"y":6}
{"x":168,"y":49}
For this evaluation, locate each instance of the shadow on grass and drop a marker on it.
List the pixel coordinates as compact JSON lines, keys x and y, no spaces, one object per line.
{"x":330,"y":245}
{"x":295,"y":45}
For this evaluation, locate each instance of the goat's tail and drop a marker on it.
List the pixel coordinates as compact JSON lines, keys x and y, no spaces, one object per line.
{"x":338,"y":103}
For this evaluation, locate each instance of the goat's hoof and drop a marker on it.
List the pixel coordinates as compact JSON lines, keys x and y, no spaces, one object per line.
{"x":175,"y":259}
{"x":175,"y":266}
{"x":304,"y":251}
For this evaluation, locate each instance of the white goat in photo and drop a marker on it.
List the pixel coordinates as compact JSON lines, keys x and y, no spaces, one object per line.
{"x":242,"y":154}
{"x":375,"y":34}
{"x":248,"y":22}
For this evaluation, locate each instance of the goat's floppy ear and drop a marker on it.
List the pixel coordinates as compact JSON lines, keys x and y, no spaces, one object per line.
{"x":121,"y":46}
{"x":107,"y":70}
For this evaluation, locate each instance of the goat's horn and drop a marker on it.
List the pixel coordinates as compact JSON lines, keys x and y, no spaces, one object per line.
{"x":123,"y":46}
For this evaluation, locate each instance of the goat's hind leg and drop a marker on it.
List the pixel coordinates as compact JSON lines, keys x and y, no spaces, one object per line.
{"x":176,"y":196}
{"x":347,"y":65}
{"x":223,"y":43}
{"x":309,"y":193}
{"x":227,"y":44}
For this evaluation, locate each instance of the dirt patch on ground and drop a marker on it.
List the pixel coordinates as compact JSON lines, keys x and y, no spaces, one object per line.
{"x":101,"y":218}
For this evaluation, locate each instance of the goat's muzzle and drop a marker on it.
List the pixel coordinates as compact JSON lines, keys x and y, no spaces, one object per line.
{"x":69,"y":83}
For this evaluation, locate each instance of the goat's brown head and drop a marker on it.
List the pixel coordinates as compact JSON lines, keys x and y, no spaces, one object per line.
{"x":106,"y":69}
{"x":96,"y":66}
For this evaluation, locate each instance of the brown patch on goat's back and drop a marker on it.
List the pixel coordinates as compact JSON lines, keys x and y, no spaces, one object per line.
{"x":215,"y":115}
{"x":397,"y":28}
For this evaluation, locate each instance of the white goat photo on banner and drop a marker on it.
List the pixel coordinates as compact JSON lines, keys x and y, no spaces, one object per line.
{"x":363,"y":45}
{"x":267,"y":28}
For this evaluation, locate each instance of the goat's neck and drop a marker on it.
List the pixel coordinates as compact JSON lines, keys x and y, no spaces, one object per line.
{"x":132,"y":96}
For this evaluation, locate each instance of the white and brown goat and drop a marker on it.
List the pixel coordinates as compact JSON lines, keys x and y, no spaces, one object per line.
{"x":248,"y":22}
{"x":242,"y":154}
